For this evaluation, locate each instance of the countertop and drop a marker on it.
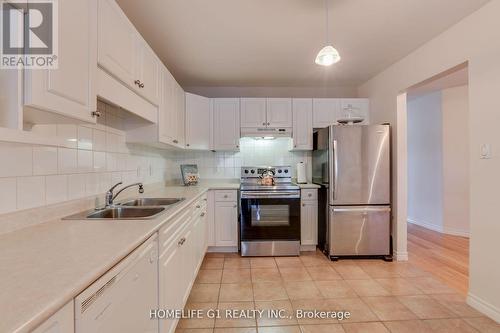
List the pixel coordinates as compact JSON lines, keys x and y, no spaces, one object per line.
{"x":45,"y":266}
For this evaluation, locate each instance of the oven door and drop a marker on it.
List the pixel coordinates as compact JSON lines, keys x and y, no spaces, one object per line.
{"x":270,"y":215}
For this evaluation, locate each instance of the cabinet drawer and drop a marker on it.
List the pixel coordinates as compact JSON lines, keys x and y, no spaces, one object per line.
{"x":178,"y":222}
{"x":226,"y":195}
{"x":309,"y":194}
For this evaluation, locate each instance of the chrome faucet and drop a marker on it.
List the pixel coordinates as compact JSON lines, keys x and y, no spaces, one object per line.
{"x":110,"y":197}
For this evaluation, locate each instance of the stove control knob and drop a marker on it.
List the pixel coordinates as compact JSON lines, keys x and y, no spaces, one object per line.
{"x":246,"y":170}
{"x":286,"y":170}
{"x":252,"y":171}
{"x":279,"y":171}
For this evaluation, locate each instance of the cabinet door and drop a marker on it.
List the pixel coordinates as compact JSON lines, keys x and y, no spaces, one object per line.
{"x":117,"y":47}
{"x":279,"y":112}
{"x":226,"y":124}
{"x":355,"y":108}
{"x":170,"y":294}
{"x":325,"y":111}
{"x":309,"y":223}
{"x":197,"y":122}
{"x":70,"y":89}
{"x":148,"y":67}
{"x":226,"y":222}
{"x":211,"y":218}
{"x":167,"y":117}
{"x":302,"y":133}
{"x":62,"y":321}
{"x":180,"y":107}
{"x":253,"y":112}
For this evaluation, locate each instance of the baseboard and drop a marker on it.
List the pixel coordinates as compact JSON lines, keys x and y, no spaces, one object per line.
{"x":227,"y":249}
{"x":401,"y":256}
{"x":443,"y":230}
{"x":307,"y":248}
{"x":484,"y":307}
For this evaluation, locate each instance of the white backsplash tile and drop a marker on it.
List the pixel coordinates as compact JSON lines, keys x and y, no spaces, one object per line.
{"x":69,"y":134}
{"x":76,"y":186}
{"x":99,"y":140}
{"x":85,"y":161}
{"x":67,"y":160}
{"x":56,"y":189}
{"x":99,"y":161}
{"x":30,"y":192}
{"x":16,"y":160}
{"x":44,"y":161}
{"x":85,"y":138}
{"x":8,"y":195}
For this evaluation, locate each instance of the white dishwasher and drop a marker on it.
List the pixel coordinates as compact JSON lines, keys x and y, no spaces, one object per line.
{"x":121,"y":300}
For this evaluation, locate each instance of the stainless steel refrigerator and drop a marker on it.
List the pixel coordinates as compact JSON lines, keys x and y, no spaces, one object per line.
{"x":352,"y":163}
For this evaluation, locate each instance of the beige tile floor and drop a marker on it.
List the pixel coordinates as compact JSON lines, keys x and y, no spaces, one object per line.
{"x":381,"y":297}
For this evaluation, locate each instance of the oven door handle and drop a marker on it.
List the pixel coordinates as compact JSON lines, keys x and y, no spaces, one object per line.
{"x":280,"y":194}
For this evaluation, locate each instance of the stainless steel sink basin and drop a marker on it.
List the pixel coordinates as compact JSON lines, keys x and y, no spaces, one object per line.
{"x":119,"y":213}
{"x":153,"y":202}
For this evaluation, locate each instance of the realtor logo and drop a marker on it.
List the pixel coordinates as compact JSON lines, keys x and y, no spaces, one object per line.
{"x":29,"y":34}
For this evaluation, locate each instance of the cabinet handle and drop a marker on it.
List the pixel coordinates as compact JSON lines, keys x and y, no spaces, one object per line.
{"x":198,"y":206}
{"x":137,"y":82}
{"x":303,"y":205}
{"x":204,"y":199}
{"x":175,"y":141}
{"x":294,"y":146}
{"x":264,"y":124}
{"x":235,"y":206}
{"x":309,"y":195}
{"x":225,"y":196}
{"x":181,"y":241}
{"x":187,"y":144}
{"x":268,"y":124}
{"x":202,"y":214}
{"x":96,"y":113}
{"x":237,"y":146}
{"x":141,"y":85}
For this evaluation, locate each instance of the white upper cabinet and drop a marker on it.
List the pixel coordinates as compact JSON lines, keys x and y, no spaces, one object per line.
{"x":198,"y":120}
{"x":148,"y":76}
{"x":355,"y":108}
{"x":68,"y":91}
{"x":325,"y":111}
{"x":180,"y":109}
{"x":253,"y":112}
{"x":279,"y":112}
{"x":226,"y":123}
{"x":302,"y":134}
{"x":124,"y":54}
{"x":117,"y":43}
{"x":171,"y":112}
{"x":268,"y":112}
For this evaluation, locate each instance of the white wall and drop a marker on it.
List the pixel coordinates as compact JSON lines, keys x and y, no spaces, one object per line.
{"x":455,"y":113}
{"x":425,"y":161}
{"x":474,"y":39}
{"x":438,"y":170}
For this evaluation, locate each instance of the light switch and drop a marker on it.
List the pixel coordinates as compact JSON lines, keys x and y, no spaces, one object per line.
{"x":485,"y":151}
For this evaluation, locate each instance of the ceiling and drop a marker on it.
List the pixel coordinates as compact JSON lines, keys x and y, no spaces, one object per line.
{"x":275,"y":42}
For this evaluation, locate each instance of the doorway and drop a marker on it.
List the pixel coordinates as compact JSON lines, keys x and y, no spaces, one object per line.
{"x":437,"y":176}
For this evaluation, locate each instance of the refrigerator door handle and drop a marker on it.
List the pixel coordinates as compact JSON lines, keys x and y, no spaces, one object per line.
{"x":361,"y":209}
{"x":335,"y":169}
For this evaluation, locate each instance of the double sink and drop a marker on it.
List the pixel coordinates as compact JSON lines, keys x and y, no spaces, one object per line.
{"x":136,"y":209}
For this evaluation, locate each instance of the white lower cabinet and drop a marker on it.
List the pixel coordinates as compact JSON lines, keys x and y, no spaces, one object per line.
{"x":309,"y":217}
{"x":226,"y":218}
{"x":62,"y":321}
{"x":182,"y":248}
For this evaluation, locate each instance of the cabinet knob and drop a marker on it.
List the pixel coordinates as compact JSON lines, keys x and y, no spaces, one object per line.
{"x":309,"y":195}
{"x":175,"y":141}
{"x":237,"y":146}
{"x":96,"y":113}
{"x":141,"y":85}
{"x":303,"y":205}
{"x":198,"y":206}
{"x":235,"y":206}
{"x":202,"y":214}
{"x":268,"y":124}
{"x":264,"y":124}
{"x":294,"y":146}
{"x":225,"y":196}
{"x":187,"y":144}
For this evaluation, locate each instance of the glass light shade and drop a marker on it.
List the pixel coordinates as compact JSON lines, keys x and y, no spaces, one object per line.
{"x":327,"y":56}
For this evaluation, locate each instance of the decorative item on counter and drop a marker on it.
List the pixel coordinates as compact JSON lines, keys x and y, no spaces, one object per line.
{"x":267,"y":178}
{"x":190,"y":175}
{"x":301,"y":173}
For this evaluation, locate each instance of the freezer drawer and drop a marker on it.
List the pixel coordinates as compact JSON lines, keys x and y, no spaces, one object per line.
{"x":359,"y":230}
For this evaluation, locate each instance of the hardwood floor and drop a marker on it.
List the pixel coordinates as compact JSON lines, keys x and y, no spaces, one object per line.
{"x":447,"y":257}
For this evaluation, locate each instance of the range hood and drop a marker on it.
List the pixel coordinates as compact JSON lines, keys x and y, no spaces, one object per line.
{"x":261,"y":132}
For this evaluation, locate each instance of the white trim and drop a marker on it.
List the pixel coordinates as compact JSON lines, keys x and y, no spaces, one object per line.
{"x":484,"y":307}
{"x":441,"y":229}
{"x":226,"y":249}
{"x":307,"y":248}
{"x":401,"y":256}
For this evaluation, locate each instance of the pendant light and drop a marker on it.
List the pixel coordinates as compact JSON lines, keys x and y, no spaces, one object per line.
{"x":328,"y":55}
